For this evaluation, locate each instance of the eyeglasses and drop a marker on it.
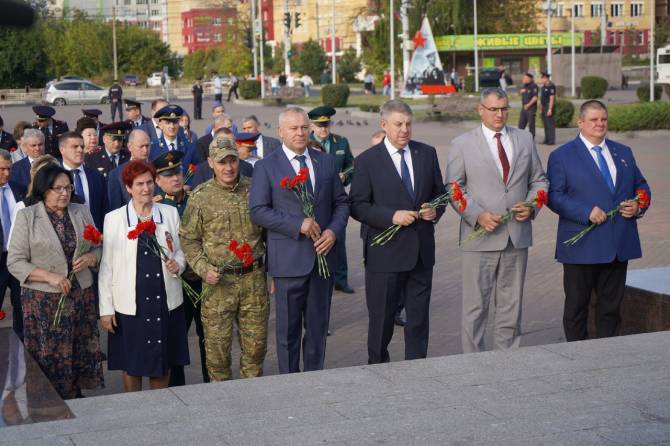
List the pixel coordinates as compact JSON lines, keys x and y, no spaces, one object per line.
{"x":63,"y":189}
{"x":496,"y":109}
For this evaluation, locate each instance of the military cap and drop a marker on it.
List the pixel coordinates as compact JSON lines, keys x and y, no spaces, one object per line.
{"x":168,"y":163}
{"x":247,"y":139}
{"x":321,"y":115}
{"x":220,"y":148}
{"x":43,"y":112}
{"x":170,"y":112}
{"x":132,"y":104}
{"x":118,"y":129}
{"x":91,"y":112}
{"x":85,"y":122}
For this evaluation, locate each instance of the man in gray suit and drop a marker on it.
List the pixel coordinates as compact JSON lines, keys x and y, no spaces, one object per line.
{"x":498,"y":168}
{"x":265,"y":145}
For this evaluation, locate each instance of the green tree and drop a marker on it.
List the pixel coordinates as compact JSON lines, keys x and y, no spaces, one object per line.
{"x":27,"y":61}
{"x":348,"y":66}
{"x":311,"y":60}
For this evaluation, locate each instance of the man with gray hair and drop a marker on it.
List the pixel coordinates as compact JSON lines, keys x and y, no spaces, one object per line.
{"x":202,"y":145}
{"x":264,"y":144}
{"x":302,"y":291}
{"x":392,"y":184}
{"x":32,"y":144}
{"x":139,"y":145}
{"x":498,"y":169}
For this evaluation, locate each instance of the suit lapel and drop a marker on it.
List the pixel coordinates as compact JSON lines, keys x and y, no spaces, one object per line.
{"x":48,"y":230}
{"x":590,"y":164}
{"x":618,"y":162}
{"x":417,"y":164}
{"x":387,"y":162}
{"x":516,"y":150}
{"x":486,"y":155}
{"x":317,"y":174}
{"x":77,"y":224}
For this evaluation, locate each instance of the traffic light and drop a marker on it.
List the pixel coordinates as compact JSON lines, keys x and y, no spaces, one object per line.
{"x":289,"y":53}
{"x":297,"y":19}
{"x":287,"y":20}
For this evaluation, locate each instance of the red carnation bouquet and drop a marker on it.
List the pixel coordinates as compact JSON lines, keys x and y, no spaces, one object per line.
{"x":536,"y":203}
{"x":190,"y":172}
{"x":643,"y":200}
{"x":149,"y":228}
{"x":298,"y":187}
{"x":91,"y":238}
{"x":243,"y":257}
{"x":453,"y":195}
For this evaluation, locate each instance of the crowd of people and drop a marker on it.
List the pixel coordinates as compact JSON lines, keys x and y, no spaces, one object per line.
{"x":208,"y":230}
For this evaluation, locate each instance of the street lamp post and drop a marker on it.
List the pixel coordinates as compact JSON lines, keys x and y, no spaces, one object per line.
{"x":392,"y":46}
{"x":572,"y":49}
{"x":549,"y":7}
{"x":476,"y":49}
{"x":652,"y":56}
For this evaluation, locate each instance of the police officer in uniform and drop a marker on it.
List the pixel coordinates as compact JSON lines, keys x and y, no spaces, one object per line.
{"x":112,"y":154}
{"x":197,"y":91}
{"x":170,"y":180}
{"x":116,"y":99}
{"x":171,"y":138}
{"x":337,"y":146}
{"x":134,"y":113}
{"x":548,"y":101}
{"x":217,"y":213}
{"x":528,"y":103}
{"x":52,"y":128}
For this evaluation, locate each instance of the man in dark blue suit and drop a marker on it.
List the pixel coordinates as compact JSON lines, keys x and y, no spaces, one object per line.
{"x":171,"y":139}
{"x":33,"y":145}
{"x":588,"y":177}
{"x":151,"y":126}
{"x":302,"y":295}
{"x":89,"y":185}
{"x":10,"y":194}
{"x":138,"y":146}
{"x":392,"y":183}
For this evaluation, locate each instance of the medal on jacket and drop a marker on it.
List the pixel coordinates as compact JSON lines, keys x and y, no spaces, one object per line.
{"x":168,"y":241}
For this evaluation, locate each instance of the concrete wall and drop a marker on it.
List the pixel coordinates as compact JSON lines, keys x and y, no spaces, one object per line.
{"x":607,"y":65}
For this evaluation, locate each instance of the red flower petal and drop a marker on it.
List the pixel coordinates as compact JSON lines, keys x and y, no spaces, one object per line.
{"x":284,"y":182}
{"x":2,"y":315}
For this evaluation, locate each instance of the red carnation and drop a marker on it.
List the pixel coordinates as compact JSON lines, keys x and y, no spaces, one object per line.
{"x":150,"y":227}
{"x":192,"y":168}
{"x":462,"y":204}
{"x":232,"y":246}
{"x":284,"y":182}
{"x":293,"y":182}
{"x":643,"y":198}
{"x":541,"y":199}
{"x":92,"y":235}
{"x":2,"y":315}
{"x":133,"y":234}
{"x":248,"y":261}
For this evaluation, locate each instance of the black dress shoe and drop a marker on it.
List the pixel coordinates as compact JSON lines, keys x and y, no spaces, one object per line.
{"x":400,"y":321}
{"x":345,"y":288}
{"x":329,"y":333}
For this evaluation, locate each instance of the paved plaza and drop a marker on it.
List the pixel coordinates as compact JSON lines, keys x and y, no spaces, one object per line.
{"x":543,"y":297}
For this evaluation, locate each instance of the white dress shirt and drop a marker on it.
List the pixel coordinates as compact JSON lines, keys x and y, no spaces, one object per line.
{"x":395,"y":157}
{"x":159,"y":132}
{"x":606,"y":154}
{"x":290,"y":154}
{"x":11,"y":204}
{"x":84,"y":181}
{"x":259,"y":147}
{"x":173,"y":142}
{"x":490,"y":136}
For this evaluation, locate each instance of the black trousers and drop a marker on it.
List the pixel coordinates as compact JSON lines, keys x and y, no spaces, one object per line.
{"x":341,"y":270}
{"x":9,"y":281}
{"x":197,"y":107}
{"x":116,"y":106}
{"x":231,"y":91}
{"x":218,"y":98}
{"x":527,"y":118}
{"x":549,"y":127}
{"x":383,"y":293}
{"x":609,"y":282}
{"x":192,"y":314}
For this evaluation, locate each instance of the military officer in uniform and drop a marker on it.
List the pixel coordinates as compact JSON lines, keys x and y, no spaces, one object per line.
{"x":134,"y":113}
{"x":217,"y":213}
{"x":338,"y":146}
{"x":171,"y":138}
{"x":246,"y":146}
{"x":170,"y":180}
{"x":52,"y":128}
{"x":197,"y":92}
{"x":528,"y":103}
{"x":112,"y":154}
{"x":548,"y":101}
{"x":116,"y":99}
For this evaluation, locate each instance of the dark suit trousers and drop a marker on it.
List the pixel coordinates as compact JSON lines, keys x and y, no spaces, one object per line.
{"x":341,"y":270}
{"x":9,"y":281}
{"x":527,"y":118}
{"x":192,"y":314}
{"x":302,"y":302}
{"x":383,"y":293}
{"x":197,"y":107}
{"x":549,"y":126}
{"x":116,"y":107}
{"x":609,"y":282}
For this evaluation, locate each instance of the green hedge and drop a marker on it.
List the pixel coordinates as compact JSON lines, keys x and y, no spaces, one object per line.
{"x":564,"y":111}
{"x":250,"y":89}
{"x":643,"y":93}
{"x":335,"y":95}
{"x":644,"y":116}
{"x":593,"y":87}
{"x":469,"y":84}
{"x":369,"y":108}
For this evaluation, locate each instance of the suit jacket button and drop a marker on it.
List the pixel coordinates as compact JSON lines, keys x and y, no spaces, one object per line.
{"x":506,"y":190}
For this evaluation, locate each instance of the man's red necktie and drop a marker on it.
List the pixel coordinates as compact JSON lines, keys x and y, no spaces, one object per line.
{"x":503,"y":157}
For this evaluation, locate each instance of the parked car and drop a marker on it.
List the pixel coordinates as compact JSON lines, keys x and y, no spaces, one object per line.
{"x":75,"y":92}
{"x":154,"y":79}
{"x":489,"y":77}
{"x":131,"y":80}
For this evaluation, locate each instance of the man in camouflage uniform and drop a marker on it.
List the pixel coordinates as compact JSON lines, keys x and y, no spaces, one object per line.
{"x":218,"y":212}
{"x":170,"y":181}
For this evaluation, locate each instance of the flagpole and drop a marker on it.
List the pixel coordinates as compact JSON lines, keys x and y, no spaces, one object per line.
{"x":391,"y":32}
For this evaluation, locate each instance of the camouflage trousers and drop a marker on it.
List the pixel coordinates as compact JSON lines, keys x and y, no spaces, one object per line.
{"x":244,"y":301}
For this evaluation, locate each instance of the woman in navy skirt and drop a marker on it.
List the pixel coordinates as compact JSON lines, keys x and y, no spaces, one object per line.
{"x":141,"y":303}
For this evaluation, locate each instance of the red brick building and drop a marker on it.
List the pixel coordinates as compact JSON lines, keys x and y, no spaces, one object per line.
{"x":205,"y":28}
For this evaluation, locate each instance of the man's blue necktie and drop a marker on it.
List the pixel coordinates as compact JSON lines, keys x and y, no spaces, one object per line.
{"x":302,"y":159}
{"x":404,"y":175}
{"x":78,"y":185}
{"x":6,"y":218}
{"x":604,"y":170}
